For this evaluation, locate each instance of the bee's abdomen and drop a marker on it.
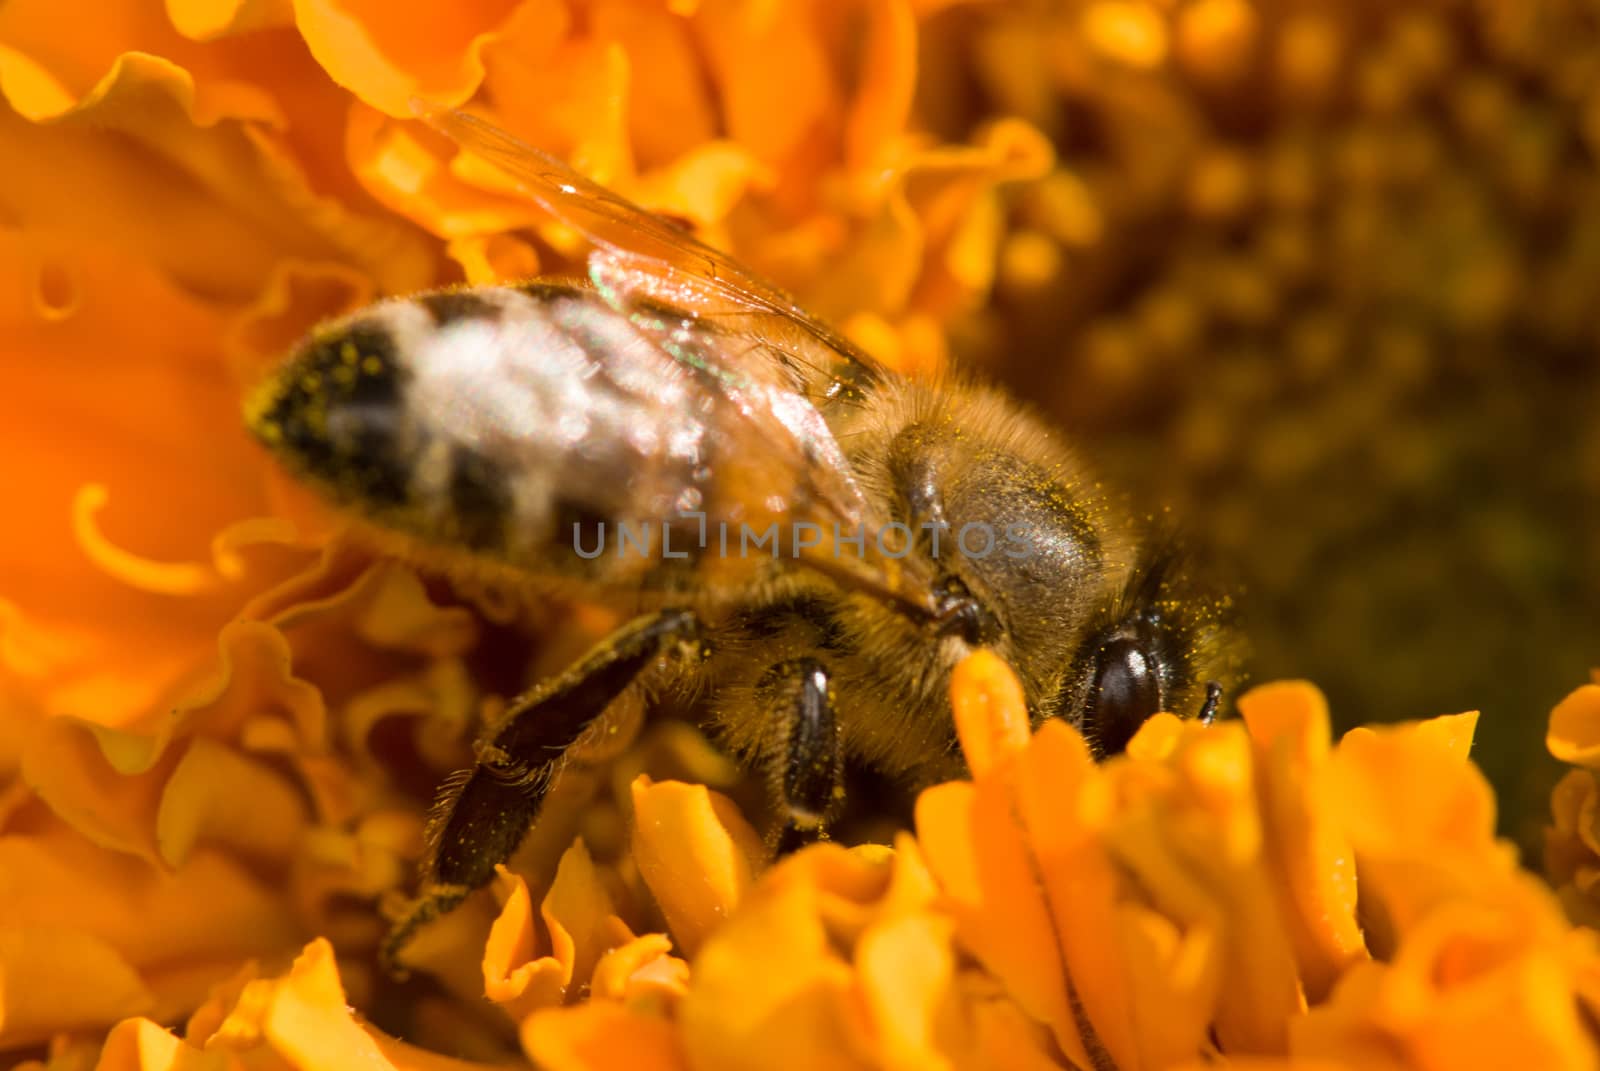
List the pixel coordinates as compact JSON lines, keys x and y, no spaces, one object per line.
{"x":514,"y":423}
{"x":335,"y":414}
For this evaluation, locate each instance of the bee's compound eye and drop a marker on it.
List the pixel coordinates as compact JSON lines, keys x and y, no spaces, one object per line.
{"x":1126,"y":691}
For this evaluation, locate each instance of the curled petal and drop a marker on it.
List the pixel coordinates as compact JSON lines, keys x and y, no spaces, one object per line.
{"x":883,"y":98}
{"x":1376,"y":773}
{"x":537,"y":62}
{"x":1472,"y":985}
{"x":1143,"y":984}
{"x":408,"y":170}
{"x":55,"y":980}
{"x":1289,"y":734}
{"x":734,"y":1017}
{"x":696,"y":853}
{"x":386,"y":55}
{"x":906,"y":972}
{"x":202,"y":20}
{"x":303,"y":1020}
{"x":296,"y":296}
{"x":515,"y":976}
{"x":1572,"y":843}
{"x":495,"y":258}
{"x":217,"y":795}
{"x":990,"y":711}
{"x":983,"y":863}
{"x":703,"y":184}
{"x":176,"y":933}
{"x":771,"y":72}
{"x":599,"y":1037}
{"x":641,"y":971}
{"x":1574,"y":734}
{"x":1190,"y":832}
{"x":580,"y":919}
{"x":111,"y":783}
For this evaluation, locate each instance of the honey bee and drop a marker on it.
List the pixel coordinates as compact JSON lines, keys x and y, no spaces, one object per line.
{"x":807,"y":541}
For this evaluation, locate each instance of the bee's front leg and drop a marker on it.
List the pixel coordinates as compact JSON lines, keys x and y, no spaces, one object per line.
{"x":483,"y":813}
{"x":808,"y":772}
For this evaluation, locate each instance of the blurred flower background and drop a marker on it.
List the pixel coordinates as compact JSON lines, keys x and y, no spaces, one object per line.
{"x":1317,"y":276}
{"x":1320,"y":276}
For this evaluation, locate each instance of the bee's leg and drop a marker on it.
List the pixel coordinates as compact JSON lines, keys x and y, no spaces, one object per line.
{"x":483,"y":813}
{"x":809,"y":764}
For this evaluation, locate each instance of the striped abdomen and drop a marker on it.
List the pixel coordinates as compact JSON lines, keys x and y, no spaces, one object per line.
{"x":536,"y":424}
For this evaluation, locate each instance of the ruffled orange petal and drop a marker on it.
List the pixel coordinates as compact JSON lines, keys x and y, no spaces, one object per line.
{"x":933,"y":230}
{"x":1190,"y":832}
{"x":696,"y":853}
{"x":202,"y":20}
{"x":514,"y":975}
{"x":1574,"y":734}
{"x":565,"y":92}
{"x":120,"y":787}
{"x":601,"y":1036}
{"x":386,"y":55}
{"x":1289,"y":733}
{"x":1376,"y":771}
{"x":670,"y":109}
{"x":45,"y":73}
{"x":1572,"y":843}
{"x":301,"y":1020}
{"x":991,"y":714}
{"x":408,"y":170}
{"x":641,"y":972}
{"x":134,"y":409}
{"x":581,"y":921}
{"x":771,"y":72}
{"x":983,"y":863}
{"x":493,"y":259}
{"x":218,"y":796}
{"x":56,"y":980}
{"x":1472,"y":985}
{"x":733,"y":1017}
{"x":1419,"y":816}
{"x":176,"y":934}
{"x":169,"y":180}
{"x":906,"y":971}
{"x":1144,"y":985}
{"x":883,"y":96}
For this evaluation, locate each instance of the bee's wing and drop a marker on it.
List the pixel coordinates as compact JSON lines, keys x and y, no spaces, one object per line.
{"x":639,"y":258}
{"x":766,"y":367}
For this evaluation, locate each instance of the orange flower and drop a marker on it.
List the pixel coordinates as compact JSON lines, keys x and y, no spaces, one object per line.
{"x":1202,"y":891}
{"x":1572,"y":844}
{"x":203,"y":695}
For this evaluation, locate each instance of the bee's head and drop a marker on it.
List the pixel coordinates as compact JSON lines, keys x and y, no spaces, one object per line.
{"x":1157,"y":645}
{"x":1102,"y":627}
{"x":333,"y":414}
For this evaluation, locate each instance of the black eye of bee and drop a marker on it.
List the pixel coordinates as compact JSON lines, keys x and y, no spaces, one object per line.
{"x":1126,"y":690}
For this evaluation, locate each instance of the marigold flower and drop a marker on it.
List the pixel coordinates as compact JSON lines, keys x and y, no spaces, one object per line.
{"x":222,"y":717}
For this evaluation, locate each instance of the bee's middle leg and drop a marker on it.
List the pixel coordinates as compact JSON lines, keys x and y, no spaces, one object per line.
{"x":483,"y":813}
{"x":808,"y":762}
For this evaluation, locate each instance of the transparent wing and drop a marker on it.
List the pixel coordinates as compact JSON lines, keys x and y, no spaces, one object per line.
{"x":768,"y":372}
{"x":639,"y":258}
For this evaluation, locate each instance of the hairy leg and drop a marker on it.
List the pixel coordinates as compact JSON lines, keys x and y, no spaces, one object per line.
{"x":808,"y":771}
{"x":483,"y":813}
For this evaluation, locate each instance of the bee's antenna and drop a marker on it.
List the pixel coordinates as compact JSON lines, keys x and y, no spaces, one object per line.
{"x":1208,"y":709}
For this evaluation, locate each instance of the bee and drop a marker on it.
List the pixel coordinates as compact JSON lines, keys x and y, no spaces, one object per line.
{"x":804,"y":540}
